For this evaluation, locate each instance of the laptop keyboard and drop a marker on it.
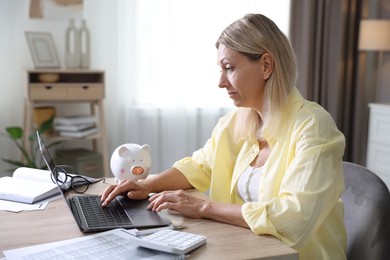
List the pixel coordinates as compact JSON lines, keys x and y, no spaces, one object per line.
{"x":97,"y":216}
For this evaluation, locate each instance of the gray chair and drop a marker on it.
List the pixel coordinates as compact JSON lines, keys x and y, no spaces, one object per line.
{"x":367,"y":214}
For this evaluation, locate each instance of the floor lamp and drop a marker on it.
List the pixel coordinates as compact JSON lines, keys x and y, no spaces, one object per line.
{"x":375,"y":36}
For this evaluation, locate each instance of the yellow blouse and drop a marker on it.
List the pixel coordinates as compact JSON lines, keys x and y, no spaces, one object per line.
{"x":302,"y":181}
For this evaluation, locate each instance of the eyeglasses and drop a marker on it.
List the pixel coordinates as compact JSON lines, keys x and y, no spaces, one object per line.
{"x":68,"y":178}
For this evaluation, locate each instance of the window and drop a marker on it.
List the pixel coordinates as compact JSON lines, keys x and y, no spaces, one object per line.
{"x":175,"y":59}
{"x":168,"y":78}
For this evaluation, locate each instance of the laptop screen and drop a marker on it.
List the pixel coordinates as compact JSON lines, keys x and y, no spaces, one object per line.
{"x":62,"y":177}
{"x":50,"y":162}
{"x":45,"y":154}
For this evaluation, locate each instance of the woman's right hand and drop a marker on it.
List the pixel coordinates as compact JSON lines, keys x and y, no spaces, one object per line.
{"x":132,"y":189}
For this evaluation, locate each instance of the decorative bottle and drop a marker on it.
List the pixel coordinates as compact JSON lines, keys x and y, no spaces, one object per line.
{"x":72,"y":58}
{"x":84,"y":45}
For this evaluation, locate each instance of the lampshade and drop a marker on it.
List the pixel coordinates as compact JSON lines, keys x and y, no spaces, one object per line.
{"x":374,"y":35}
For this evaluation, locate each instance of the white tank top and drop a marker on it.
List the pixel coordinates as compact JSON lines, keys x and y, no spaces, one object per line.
{"x":248,"y":184}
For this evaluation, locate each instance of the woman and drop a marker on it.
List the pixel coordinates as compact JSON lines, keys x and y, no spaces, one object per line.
{"x":274,"y":165}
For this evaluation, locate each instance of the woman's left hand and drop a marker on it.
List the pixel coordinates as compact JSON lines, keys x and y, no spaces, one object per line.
{"x":180,"y":201}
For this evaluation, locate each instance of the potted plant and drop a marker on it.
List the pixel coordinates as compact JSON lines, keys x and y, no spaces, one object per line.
{"x":29,"y":158}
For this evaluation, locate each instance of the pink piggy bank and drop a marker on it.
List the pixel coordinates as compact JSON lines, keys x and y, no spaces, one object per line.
{"x":131,"y":162}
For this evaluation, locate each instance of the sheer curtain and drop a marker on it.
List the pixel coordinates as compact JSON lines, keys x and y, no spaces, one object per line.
{"x":168,"y":74}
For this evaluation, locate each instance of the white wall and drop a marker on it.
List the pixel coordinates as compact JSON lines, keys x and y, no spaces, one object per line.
{"x":102,"y":21}
{"x":15,"y":57}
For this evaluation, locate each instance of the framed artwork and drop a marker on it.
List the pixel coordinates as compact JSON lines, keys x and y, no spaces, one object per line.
{"x":42,"y":49}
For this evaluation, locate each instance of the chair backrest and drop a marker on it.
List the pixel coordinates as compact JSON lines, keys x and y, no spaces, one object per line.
{"x":367,"y":214}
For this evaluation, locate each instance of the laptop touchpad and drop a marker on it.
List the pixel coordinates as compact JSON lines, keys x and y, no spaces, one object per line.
{"x":137,"y":211}
{"x":132,"y":205}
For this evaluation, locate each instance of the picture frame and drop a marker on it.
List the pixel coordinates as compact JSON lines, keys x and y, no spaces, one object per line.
{"x":42,"y":50}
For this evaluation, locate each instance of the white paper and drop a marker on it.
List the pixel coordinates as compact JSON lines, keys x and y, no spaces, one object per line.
{"x":18,"y":207}
{"x":132,"y":252}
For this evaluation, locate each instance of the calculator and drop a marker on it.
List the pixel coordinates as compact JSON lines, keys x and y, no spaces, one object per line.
{"x":170,"y":241}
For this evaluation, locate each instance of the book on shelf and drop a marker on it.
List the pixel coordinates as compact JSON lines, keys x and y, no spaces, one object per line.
{"x":74,"y":120}
{"x":76,"y":127}
{"x":79,"y":134}
{"x":28,"y":185}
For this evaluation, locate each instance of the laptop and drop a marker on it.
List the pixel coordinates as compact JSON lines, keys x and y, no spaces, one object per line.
{"x":86,"y":209}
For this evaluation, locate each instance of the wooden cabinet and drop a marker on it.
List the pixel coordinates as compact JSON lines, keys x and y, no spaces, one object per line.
{"x":65,"y":92}
{"x":54,"y":87}
{"x":378,"y":145}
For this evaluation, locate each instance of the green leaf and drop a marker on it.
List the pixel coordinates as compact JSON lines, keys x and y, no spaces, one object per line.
{"x":15,"y":132}
{"x":46,"y":125}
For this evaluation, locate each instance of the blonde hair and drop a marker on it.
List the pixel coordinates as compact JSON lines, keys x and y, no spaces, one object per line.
{"x":253,"y":35}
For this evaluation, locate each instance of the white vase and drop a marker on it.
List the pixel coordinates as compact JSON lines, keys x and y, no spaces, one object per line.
{"x":84,"y":45}
{"x":72,"y":58}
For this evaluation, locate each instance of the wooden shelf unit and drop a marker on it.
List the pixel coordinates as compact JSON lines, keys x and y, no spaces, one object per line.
{"x":72,"y":86}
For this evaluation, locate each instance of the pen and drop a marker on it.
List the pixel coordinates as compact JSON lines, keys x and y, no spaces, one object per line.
{"x":150,"y":231}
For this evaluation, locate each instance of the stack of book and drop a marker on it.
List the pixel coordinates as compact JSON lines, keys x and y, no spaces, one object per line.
{"x":75,"y":126}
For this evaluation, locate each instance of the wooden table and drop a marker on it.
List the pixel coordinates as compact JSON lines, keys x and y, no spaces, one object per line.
{"x":56,"y":222}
